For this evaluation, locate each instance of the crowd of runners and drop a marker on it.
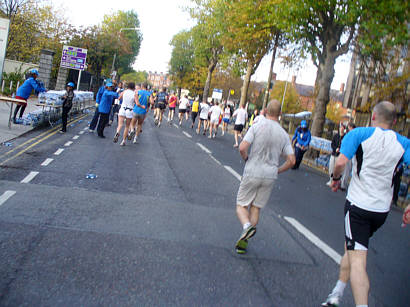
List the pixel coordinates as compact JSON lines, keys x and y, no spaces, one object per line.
{"x":373,"y":154}
{"x":131,"y":103}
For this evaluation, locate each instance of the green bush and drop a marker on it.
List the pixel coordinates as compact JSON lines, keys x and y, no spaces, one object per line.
{"x":15,"y":77}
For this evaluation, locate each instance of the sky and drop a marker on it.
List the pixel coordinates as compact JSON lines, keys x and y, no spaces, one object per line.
{"x":161,"y":19}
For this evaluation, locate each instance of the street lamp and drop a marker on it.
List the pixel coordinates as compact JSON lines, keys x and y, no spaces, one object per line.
{"x":115,"y":54}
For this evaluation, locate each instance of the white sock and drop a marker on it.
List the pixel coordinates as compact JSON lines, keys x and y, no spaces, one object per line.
{"x":339,"y":288}
{"x":246,"y":225}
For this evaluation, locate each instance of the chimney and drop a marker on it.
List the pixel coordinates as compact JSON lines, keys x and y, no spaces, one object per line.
{"x":293,"y":79}
{"x":342,"y":88}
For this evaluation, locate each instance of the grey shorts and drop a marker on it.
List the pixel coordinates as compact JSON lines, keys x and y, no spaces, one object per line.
{"x":255,"y":191}
{"x":139,"y":116}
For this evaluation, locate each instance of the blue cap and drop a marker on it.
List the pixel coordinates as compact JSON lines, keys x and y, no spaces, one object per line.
{"x":34,"y":71}
{"x":70,"y":84}
{"x":109,"y":84}
{"x":303,"y":124}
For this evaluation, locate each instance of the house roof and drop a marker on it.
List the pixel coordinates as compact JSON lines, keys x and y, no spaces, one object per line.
{"x":308,"y":90}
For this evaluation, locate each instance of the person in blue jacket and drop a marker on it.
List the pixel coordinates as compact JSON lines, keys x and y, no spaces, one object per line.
{"x":98,"y":97}
{"x":301,"y":141}
{"x":24,"y":91}
{"x":104,"y":108}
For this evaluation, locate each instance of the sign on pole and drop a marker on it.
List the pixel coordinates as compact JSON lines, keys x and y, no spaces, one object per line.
{"x":217,"y":94}
{"x":4,"y":35}
{"x":74,"y":58}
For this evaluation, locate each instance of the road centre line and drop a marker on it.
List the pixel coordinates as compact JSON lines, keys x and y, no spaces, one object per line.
{"x":29,"y":177}
{"x":233,"y":172}
{"x":47,"y":162}
{"x":5,"y":196}
{"x":187,"y":134}
{"x":314,"y":239}
{"x":68,"y":144}
{"x":75,"y":137}
{"x":213,"y":158}
{"x":59,"y":151}
{"x":81,"y":132}
{"x":50,"y":134}
{"x":204,"y":148}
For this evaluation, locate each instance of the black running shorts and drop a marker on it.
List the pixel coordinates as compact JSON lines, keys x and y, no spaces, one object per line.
{"x":238,"y":128}
{"x":360,"y":225}
{"x":162,"y":105}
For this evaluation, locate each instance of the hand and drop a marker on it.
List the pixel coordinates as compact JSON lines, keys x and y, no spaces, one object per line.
{"x":337,"y":149}
{"x":96,"y":105}
{"x":406,"y":215}
{"x":335,"y":185}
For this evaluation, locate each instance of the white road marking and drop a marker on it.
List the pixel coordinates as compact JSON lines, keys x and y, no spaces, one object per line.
{"x":81,"y":132}
{"x":29,"y":177}
{"x":232,"y":171}
{"x":47,"y":162}
{"x":86,"y":128}
{"x":59,"y":151}
{"x":213,"y":158}
{"x":176,"y":126}
{"x":6,"y":195}
{"x":68,"y":143}
{"x":314,"y":239}
{"x":187,"y":134}
{"x":75,"y":137}
{"x":204,"y":148}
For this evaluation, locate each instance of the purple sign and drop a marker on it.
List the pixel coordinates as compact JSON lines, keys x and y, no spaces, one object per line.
{"x":74,"y":58}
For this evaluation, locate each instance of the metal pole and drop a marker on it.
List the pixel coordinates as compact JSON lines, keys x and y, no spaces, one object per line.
{"x":113,"y":62}
{"x":284,"y":92}
{"x":79,"y":80}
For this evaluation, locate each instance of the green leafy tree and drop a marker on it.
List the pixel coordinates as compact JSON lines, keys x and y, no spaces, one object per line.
{"x":135,"y":76}
{"x":291,"y":103}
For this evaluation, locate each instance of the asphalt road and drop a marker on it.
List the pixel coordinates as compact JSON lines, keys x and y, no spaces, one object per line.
{"x":158,"y":227}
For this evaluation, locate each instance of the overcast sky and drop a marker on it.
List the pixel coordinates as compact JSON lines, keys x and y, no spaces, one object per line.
{"x":160,"y":21}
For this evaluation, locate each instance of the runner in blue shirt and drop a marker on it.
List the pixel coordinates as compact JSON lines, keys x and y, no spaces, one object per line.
{"x":104,"y":108}
{"x":140,"y":110}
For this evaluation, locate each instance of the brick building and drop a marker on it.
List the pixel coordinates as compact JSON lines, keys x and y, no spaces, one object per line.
{"x":159,"y":80}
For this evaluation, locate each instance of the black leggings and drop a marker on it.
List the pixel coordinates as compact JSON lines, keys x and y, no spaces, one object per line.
{"x":64,"y":116}
{"x":22,"y":108}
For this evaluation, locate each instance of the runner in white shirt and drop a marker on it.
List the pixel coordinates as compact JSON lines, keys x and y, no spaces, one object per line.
{"x":226,"y":118}
{"x":125,"y":112}
{"x":203,"y":116}
{"x":183,"y":104}
{"x":215,"y":111}
{"x":241,"y":116}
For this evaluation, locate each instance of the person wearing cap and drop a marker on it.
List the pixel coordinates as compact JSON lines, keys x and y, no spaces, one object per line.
{"x":301,"y":141}
{"x":67,"y":104}
{"x":24,"y":91}
{"x":104,"y":108}
{"x":101,"y":90}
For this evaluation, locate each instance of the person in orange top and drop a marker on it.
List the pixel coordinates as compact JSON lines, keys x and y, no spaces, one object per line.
{"x":172,"y":103}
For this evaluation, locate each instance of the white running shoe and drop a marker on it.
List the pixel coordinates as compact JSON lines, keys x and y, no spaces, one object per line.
{"x":332,"y":300}
{"x":122,"y":143}
{"x":135,"y":140}
{"x":329,"y":183}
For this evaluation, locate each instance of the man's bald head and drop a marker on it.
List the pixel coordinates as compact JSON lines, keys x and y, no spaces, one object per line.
{"x":273,"y":108}
{"x":385,"y":113}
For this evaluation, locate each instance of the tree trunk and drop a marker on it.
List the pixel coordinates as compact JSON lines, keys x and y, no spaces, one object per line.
{"x":272,"y":63}
{"x":327,"y":72}
{"x":245,"y":84}
{"x":211,"y":68}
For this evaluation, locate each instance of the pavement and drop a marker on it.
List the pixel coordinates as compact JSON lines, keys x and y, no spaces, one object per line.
{"x":157,"y":226}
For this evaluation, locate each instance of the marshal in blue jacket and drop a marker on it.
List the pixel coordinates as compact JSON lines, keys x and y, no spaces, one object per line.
{"x":302,"y":137}
{"x":28,"y":86}
{"x":106,"y":101}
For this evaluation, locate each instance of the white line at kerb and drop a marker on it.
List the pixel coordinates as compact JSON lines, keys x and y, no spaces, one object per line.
{"x":47,"y":162}
{"x":75,"y":137}
{"x":204,"y":148}
{"x":29,"y":177}
{"x":232,"y":171}
{"x":6,"y":195}
{"x":81,"y":132}
{"x":314,"y":239}
{"x":68,"y":143}
{"x":59,"y":151}
{"x":187,"y":134}
{"x":176,"y":126}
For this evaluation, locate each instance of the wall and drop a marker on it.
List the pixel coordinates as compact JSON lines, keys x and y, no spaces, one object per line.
{"x":12,"y":66}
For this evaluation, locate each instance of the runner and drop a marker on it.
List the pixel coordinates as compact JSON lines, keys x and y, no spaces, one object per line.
{"x":154,"y":104}
{"x":140,"y":109}
{"x":375,"y":151}
{"x":183,"y":104}
{"x":269,"y":142}
{"x":162,"y":98}
{"x":226,"y":118}
{"x":173,"y":100}
{"x":125,"y":112}
{"x":215,"y":113}
{"x":240,"y":121}
{"x":117,"y":103}
{"x":67,"y":105}
{"x":104,"y":108}
{"x":195,"y":110}
{"x":94,"y":121}
{"x":203,"y":117}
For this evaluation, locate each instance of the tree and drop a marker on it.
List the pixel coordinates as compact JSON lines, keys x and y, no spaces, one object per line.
{"x":291,"y":103}
{"x":334,"y":111}
{"x":135,"y":76}
{"x":326,"y":29}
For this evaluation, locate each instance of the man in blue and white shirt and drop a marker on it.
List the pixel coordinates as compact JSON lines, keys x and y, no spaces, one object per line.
{"x":375,"y":152}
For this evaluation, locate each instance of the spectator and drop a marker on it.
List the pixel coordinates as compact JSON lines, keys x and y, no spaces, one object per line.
{"x":301,"y":141}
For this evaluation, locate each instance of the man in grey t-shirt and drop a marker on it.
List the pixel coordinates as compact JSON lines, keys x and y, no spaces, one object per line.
{"x":269,"y":142}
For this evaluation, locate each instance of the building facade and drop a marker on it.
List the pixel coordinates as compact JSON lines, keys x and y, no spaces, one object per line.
{"x":159,"y":80}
